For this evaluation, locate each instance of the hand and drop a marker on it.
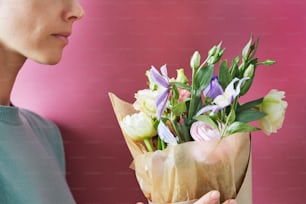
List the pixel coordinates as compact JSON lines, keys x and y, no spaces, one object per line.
{"x":213,"y":197}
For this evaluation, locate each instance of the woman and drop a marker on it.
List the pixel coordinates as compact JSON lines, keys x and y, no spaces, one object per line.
{"x":32,"y":166}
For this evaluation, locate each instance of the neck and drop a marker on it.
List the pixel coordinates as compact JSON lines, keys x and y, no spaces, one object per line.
{"x":10,"y":64}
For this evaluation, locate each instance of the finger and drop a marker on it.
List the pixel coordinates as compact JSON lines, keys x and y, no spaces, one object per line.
{"x":230,"y":202}
{"x":139,"y":203}
{"x":211,"y":197}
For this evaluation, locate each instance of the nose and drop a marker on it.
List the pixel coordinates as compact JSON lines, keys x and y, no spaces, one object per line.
{"x":74,"y":11}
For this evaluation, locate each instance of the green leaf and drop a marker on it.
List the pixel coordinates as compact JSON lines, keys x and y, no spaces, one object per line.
{"x":181,"y":85}
{"x":246,"y":85}
{"x":206,"y":119}
{"x":231,"y":117}
{"x":234,"y":71}
{"x":179,"y":108}
{"x":240,"y":127}
{"x":236,"y":60}
{"x":203,"y":77}
{"x":254,"y":62}
{"x":249,"y":105}
{"x":175,"y":95}
{"x":155,"y":124}
{"x":184,"y":132}
{"x":224,"y":77}
{"x":195,"y":103}
{"x":249,"y":115}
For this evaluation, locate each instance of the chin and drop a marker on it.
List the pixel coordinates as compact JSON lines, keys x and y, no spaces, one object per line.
{"x":49,"y":60}
{"x":53,"y":61}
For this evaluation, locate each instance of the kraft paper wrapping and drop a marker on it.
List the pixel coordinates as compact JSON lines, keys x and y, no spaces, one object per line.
{"x":183,"y":173}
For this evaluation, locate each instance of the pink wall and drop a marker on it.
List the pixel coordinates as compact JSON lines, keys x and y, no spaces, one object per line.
{"x":119,"y":39}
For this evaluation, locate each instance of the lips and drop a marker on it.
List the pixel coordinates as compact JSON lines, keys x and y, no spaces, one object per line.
{"x":64,"y":36}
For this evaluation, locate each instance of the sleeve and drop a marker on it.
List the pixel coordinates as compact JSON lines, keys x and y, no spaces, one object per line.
{"x":58,"y":147}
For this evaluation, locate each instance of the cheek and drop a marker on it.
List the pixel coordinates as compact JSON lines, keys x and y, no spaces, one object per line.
{"x":43,"y":49}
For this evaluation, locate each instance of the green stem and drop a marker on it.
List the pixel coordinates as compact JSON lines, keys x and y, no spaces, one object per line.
{"x":202,"y":65}
{"x":148,"y":144}
{"x":163,"y":145}
{"x":233,"y":107}
{"x":160,"y":144}
{"x":192,"y":92}
{"x":176,"y":131}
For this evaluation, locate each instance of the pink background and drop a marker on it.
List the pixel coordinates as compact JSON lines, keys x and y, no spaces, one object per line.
{"x":119,"y":39}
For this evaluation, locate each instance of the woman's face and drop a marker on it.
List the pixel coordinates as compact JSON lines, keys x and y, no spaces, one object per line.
{"x":37,"y":29}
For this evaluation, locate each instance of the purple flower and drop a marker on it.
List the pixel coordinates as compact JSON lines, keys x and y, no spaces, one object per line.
{"x":165,"y":134}
{"x":163,"y":81}
{"x":214,"y":89}
{"x":226,"y":98}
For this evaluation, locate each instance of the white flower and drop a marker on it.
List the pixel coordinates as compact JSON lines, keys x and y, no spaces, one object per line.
{"x":146,"y":101}
{"x":275,"y":108}
{"x":138,"y":126}
{"x":224,"y":99}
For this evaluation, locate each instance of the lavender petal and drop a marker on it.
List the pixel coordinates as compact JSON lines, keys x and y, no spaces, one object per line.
{"x":205,"y":109}
{"x":165,"y":134}
{"x":214,"y":89}
{"x":157,"y":78}
{"x":161,"y":102}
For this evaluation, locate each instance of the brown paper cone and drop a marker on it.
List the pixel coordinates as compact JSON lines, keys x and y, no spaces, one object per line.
{"x":187,"y":171}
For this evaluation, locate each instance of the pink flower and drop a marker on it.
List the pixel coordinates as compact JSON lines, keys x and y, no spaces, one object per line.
{"x":183,"y":94}
{"x":201,"y":131}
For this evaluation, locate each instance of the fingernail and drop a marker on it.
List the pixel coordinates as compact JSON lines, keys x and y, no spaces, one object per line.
{"x":215,"y":195}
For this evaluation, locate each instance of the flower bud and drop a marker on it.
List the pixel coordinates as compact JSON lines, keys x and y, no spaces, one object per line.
{"x":268,"y":62}
{"x":215,"y":54}
{"x":249,"y":72}
{"x":138,"y":126}
{"x":212,"y":51}
{"x":181,"y":77}
{"x":195,"y":60}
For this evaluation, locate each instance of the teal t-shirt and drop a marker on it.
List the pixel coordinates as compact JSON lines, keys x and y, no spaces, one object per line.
{"x":32,"y":162}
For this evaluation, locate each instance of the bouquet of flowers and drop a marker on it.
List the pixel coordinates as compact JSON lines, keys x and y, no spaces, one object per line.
{"x":190,"y":137}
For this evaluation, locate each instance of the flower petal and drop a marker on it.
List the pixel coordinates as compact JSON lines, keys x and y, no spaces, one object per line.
{"x":165,"y":134}
{"x":230,"y":91}
{"x":161,"y":102}
{"x":205,"y":109}
{"x":164,"y":71}
{"x":214,"y":89}
{"x":201,"y":131}
{"x":157,"y":78}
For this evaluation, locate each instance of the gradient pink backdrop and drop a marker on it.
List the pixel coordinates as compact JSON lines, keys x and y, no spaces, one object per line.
{"x":119,"y":39}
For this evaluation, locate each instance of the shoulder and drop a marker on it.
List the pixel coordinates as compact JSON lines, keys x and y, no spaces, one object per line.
{"x":36,"y":120}
{"x":47,"y":133}
{"x":40,"y":125}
